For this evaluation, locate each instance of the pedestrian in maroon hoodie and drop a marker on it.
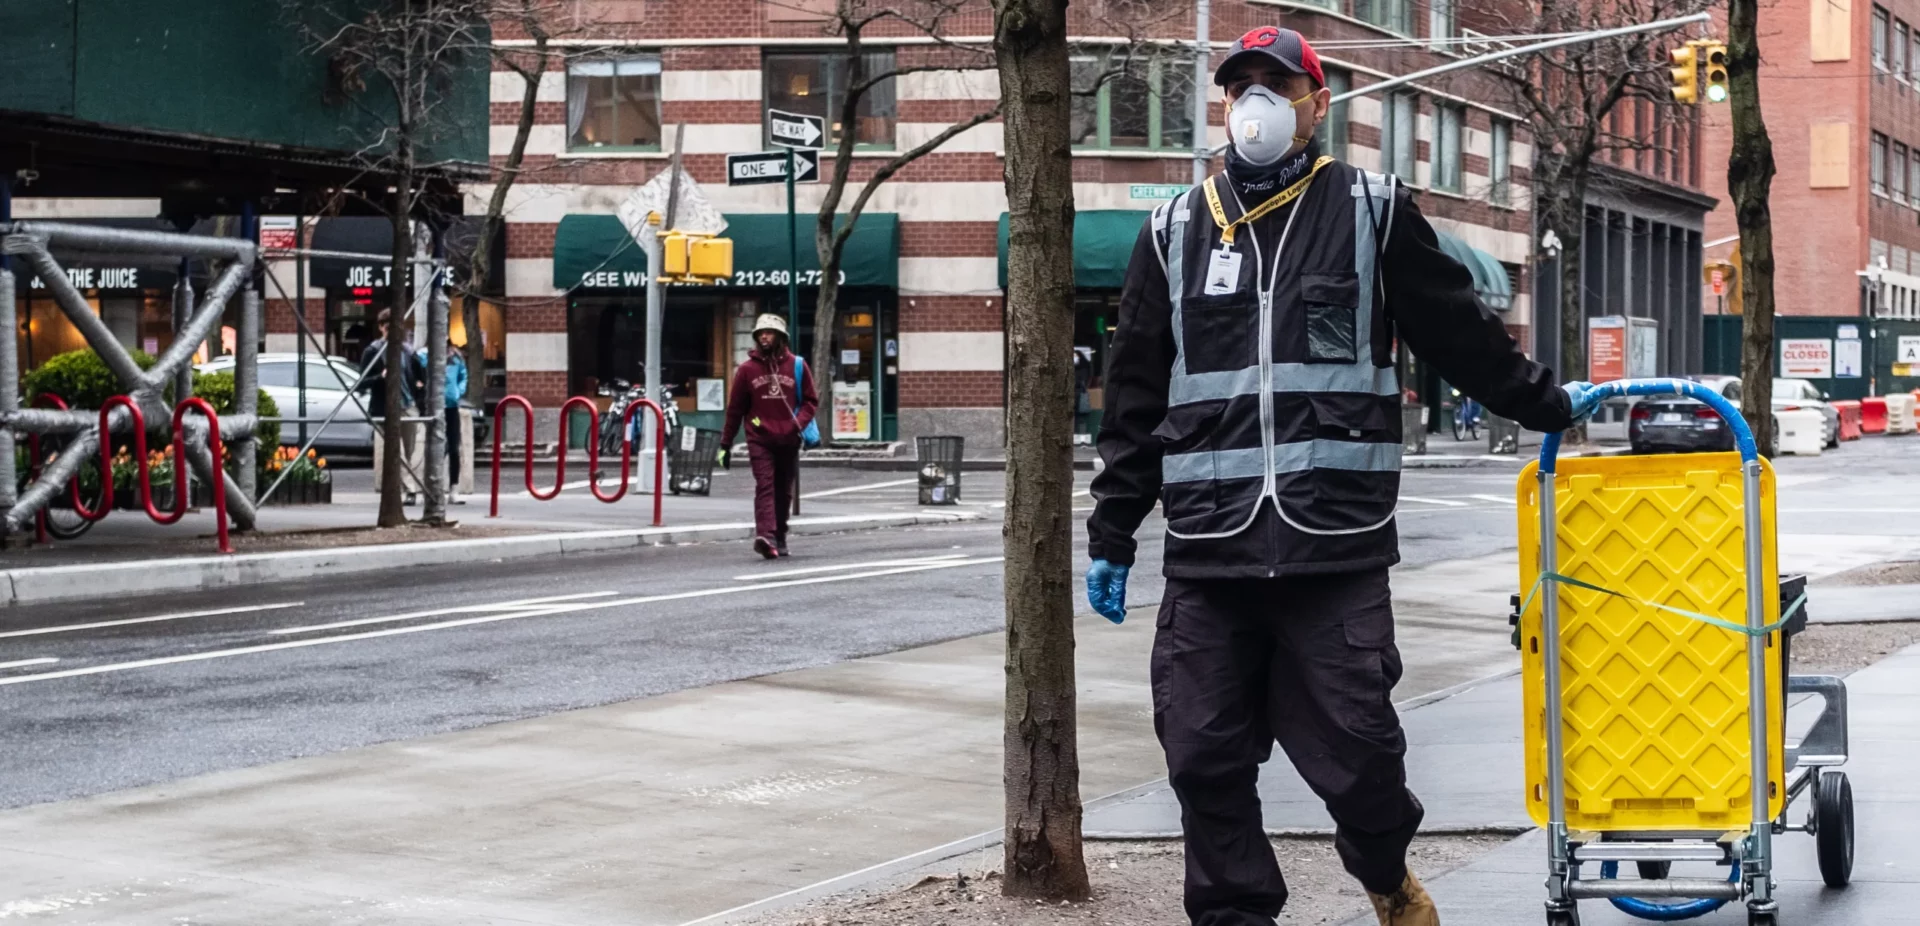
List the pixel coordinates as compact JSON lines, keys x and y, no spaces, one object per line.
{"x":776,"y":405}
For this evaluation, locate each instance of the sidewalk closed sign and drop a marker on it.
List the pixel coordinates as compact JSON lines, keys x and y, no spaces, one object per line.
{"x":1806,"y":358}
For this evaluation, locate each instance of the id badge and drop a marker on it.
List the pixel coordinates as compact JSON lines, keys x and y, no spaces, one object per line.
{"x":1223,"y":273}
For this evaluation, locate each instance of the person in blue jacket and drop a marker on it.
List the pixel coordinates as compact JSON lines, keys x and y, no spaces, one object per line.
{"x":452,"y":394}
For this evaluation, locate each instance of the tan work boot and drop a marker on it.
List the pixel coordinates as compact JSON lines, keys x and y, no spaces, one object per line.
{"x":1408,"y":906}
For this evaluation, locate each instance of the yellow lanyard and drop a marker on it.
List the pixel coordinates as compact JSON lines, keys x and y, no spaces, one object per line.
{"x":1279,"y":199}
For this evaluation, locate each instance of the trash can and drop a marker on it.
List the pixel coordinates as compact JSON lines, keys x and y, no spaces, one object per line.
{"x":1503,"y":435}
{"x":1413,"y":428}
{"x":690,"y":460}
{"x":939,"y":469}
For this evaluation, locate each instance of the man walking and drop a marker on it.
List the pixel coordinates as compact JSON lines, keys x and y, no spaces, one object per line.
{"x":773,"y":397}
{"x":373,"y":372}
{"x":1251,"y":391}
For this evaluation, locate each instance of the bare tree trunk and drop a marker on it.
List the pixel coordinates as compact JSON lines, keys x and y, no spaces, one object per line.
{"x":392,"y":512}
{"x":1042,"y":773}
{"x":826,"y":306}
{"x":1749,"y":178}
{"x":480,"y":274}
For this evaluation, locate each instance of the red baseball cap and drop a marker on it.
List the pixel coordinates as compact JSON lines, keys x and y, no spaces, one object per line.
{"x":1286,"y":46}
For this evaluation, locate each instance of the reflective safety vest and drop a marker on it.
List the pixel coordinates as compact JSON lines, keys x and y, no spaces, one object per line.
{"x":1283,"y":387}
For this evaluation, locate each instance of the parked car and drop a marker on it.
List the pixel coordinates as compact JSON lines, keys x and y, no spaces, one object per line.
{"x":1676,"y":424}
{"x":1791,"y":394}
{"x":1671,"y":424}
{"x":349,"y":435}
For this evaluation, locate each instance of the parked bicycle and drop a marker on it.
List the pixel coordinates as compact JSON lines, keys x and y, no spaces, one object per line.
{"x":611,"y":436}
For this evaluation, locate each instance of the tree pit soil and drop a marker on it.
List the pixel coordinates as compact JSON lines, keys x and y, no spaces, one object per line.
{"x":1134,"y":884}
{"x":1842,"y":648}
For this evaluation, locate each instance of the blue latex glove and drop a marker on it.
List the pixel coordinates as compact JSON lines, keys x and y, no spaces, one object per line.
{"x":1583,"y":398}
{"x":1107,"y":590}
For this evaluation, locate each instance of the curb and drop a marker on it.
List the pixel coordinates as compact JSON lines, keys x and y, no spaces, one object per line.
{"x":139,"y":577}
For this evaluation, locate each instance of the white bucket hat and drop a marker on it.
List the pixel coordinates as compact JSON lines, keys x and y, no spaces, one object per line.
{"x":770,"y":322}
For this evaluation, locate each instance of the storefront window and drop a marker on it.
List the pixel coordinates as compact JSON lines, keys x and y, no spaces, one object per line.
{"x":815,"y":84}
{"x":614,"y":103}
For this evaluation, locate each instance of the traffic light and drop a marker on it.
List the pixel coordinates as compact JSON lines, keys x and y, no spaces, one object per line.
{"x":1716,"y":77}
{"x":693,"y":257}
{"x":1686,"y":74}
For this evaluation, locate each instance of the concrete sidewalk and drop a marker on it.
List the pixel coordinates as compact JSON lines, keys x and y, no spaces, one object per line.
{"x":654,"y":812}
{"x":1504,"y":888}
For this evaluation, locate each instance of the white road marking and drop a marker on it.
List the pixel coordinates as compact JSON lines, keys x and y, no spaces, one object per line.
{"x":95,"y":625}
{"x":1433,"y":501}
{"x":23,"y":663}
{"x":484,"y":619}
{"x":811,"y":570}
{"x":1502,"y":499}
{"x":519,"y":605}
{"x":844,"y":490}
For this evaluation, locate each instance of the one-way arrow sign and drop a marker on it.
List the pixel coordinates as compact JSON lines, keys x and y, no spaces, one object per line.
{"x":771,"y":167}
{"x":795,"y":130}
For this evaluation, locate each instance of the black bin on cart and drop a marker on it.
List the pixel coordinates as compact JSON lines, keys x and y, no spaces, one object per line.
{"x":690,"y":458}
{"x":939,"y":469}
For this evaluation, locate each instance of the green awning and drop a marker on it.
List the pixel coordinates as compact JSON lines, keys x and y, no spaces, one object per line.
{"x":1489,"y":278}
{"x":595,"y":252}
{"x":1102,"y":245}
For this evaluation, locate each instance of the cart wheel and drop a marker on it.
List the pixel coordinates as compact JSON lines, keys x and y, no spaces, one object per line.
{"x":1654,"y":871}
{"x":1769,"y":918}
{"x":1833,"y":815}
{"x":1567,"y":917}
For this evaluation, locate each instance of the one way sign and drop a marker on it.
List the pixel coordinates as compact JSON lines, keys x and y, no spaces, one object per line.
{"x":795,"y":130}
{"x":771,"y":167}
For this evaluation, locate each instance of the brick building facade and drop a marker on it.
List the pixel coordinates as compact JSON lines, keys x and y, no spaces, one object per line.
{"x":1840,"y":84}
{"x":930,"y":353}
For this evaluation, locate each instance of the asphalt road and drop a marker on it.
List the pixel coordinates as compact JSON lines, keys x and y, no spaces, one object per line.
{"x":102,"y":696}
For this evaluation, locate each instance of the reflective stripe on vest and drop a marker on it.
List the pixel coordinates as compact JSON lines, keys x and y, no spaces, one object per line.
{"x":1296,"y":457}
{"x":1372,"y":195}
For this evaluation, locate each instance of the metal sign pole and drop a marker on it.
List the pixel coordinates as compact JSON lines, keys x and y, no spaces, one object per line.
{"x":793,"y":262}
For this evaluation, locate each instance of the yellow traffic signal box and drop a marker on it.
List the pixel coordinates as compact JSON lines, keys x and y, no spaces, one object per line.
{"x":710,"y":258}
{"x":1716,"y":71}
{"x":1686,"y":74}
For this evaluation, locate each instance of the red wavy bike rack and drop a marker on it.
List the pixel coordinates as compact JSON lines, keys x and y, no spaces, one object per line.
{"x":593,"y":450}
{"x":180,"y":491}
{"x":33,"y":467}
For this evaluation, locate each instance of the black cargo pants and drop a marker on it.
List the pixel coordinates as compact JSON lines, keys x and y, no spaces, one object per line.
{"x":1308,"y":661}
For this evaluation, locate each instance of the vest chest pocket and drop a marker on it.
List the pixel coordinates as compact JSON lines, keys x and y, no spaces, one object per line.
{"x":1220,"y":333}
{"x":1332,"y":303}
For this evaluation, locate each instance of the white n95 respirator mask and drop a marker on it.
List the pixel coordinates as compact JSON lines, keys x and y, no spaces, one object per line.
{"x":1263,"y":125}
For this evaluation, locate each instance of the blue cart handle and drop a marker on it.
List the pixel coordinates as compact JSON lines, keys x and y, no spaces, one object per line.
{"x":1742,"y":435}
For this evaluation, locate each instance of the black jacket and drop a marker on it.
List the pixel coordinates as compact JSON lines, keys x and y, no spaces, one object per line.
{"x":1220,"y":525}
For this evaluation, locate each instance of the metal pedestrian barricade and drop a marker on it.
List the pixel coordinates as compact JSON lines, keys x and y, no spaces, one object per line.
{"x":593,"y":450}
{"x":940,"y":458}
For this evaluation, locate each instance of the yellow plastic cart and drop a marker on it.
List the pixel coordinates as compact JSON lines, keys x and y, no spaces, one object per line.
{"x":1653,"y":643}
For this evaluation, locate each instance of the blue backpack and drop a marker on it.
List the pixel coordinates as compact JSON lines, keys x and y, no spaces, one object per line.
{"x":809,"y":435}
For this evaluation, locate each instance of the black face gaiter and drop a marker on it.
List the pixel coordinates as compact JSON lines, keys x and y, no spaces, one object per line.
{"x":1255,"y":184}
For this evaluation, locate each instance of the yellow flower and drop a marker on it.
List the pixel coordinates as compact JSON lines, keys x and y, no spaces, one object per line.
{"x":310,"y":453}
{"x":321,"y":462}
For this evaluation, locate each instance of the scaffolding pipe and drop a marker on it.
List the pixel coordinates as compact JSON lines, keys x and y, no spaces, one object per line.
{"x":76,"y":309}
{"x":133,"y":241}
{"x":9,"y":369}
{"x":434,"y":402}
{"x":246,"y":374}
{"x":178,"y":355}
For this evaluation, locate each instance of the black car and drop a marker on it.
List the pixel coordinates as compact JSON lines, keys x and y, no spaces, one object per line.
{"x":1675,"y":424}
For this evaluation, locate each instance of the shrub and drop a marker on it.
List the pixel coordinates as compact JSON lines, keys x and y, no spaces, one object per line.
{"x":79,"y":377}
{"x":217,"y":389}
